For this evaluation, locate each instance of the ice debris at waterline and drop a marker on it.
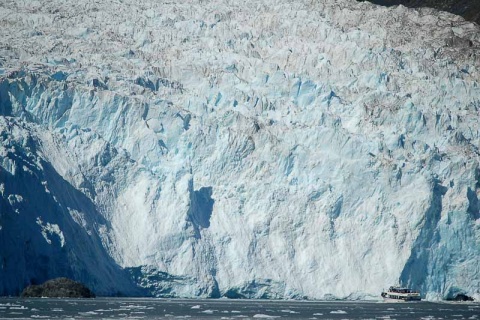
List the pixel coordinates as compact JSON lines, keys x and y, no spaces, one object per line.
{"x":273,"y":149}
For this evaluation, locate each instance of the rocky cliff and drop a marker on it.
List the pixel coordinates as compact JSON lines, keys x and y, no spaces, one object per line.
{"x":468,"y":9}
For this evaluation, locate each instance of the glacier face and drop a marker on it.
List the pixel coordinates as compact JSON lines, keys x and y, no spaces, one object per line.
{"x":268,"y":149}
{"x":48,"y":227}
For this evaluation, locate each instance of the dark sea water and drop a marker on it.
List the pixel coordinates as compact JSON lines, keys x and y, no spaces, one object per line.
{"x":131,"y":308}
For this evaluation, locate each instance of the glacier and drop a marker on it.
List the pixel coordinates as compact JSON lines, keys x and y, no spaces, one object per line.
{"x":262,"y":149}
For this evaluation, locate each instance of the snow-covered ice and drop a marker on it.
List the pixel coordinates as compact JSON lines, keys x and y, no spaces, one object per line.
{"x":263,"y":149}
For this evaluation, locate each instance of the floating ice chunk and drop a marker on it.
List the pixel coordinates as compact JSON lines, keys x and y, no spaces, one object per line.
{"x":207,"y":311}
{"x":88,"y":313}
{"x":338,"y":312}
{"x":19,"y":308}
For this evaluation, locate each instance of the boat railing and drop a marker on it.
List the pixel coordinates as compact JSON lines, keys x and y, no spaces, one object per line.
{"x":403,"y":290}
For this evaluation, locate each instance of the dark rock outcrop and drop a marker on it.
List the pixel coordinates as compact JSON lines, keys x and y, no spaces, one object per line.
{"x":468,"y":9}
{"x":461,"y":297}
{"x":56,"y":288}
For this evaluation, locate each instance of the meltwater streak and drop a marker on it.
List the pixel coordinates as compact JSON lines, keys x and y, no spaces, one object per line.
{"x":135,"y":308}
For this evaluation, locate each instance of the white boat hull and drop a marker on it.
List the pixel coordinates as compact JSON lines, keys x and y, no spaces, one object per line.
{"x":396,"y":296}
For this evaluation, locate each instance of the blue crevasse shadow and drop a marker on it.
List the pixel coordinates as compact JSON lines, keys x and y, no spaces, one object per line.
{"x":201,"y":208}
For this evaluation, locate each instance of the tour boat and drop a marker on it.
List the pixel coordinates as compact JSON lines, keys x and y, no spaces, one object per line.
{"x":399,"y":293}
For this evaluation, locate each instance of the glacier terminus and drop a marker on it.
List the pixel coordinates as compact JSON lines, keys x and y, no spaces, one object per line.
{"x":281,"y":149}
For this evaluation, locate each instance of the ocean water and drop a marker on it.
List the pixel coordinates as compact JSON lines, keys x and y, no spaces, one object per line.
{"x":149,"y":308}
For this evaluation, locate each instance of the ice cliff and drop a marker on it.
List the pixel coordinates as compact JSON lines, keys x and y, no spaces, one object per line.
{"x":273,"y":149}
